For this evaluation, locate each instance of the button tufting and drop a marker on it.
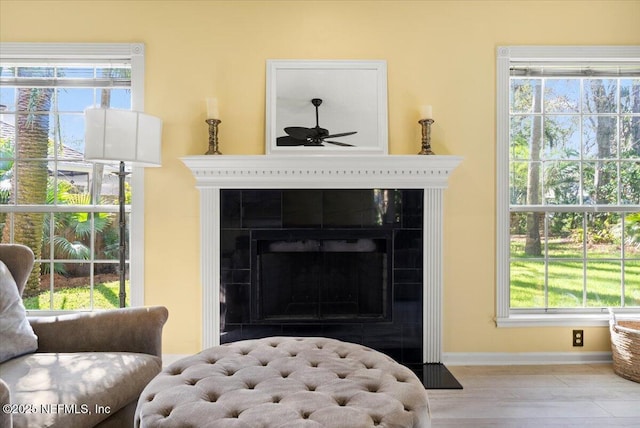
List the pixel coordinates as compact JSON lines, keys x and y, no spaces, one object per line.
{"x":276,"y":399}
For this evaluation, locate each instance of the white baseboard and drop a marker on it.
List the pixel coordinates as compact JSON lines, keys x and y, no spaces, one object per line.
{"x":492,"y":358}
{"x":523,"y":358}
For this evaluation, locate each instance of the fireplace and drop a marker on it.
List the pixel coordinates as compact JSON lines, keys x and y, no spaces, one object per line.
{"x":414,"y":286}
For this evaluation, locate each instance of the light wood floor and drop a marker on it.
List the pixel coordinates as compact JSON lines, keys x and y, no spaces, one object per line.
{"x":537,"y":396}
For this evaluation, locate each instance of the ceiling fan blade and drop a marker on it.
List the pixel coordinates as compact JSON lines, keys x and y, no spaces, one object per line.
{"x":290,"y":141}
{"x":299,"y":132}
{"x":337,"y":143}
{"x":343,"y":134}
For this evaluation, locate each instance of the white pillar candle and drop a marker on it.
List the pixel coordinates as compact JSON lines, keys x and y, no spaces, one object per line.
{"x":426,"y":112}
{"x":212,"y":108}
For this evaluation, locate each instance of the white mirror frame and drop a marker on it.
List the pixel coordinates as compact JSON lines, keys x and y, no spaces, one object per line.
{"x":354,"y":95}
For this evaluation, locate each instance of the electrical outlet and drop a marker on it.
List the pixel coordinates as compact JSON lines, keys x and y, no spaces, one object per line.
{"x":578,"y":337}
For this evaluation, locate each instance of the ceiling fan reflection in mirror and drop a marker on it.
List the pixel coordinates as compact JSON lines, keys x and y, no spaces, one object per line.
{"x":316,"y":136}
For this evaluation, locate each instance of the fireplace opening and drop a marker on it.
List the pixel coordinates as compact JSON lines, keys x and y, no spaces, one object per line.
{"x":340,"y":275}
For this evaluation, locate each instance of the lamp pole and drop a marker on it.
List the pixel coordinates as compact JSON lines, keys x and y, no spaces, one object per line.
{"x":122,"y":249}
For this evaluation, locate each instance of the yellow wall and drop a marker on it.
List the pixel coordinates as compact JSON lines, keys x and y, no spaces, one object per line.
{"x":438,"y":52}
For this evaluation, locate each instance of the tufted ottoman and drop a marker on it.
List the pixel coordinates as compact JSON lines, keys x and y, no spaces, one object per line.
{"x":285,"y":382}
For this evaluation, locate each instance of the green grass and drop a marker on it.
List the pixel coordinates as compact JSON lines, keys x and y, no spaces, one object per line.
{"x":566,"y":278}
{"x":105,"y":296}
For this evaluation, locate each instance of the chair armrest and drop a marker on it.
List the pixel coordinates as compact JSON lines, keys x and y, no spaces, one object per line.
{"x":115,"y":330}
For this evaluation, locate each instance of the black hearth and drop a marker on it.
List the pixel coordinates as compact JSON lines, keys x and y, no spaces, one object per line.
{"x":345,"y":264}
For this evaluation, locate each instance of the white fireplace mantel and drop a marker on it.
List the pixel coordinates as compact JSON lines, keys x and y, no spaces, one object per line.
{"x":430,"y":173}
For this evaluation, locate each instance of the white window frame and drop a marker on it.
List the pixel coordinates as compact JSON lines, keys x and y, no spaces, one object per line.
{"x":135,"y":53}
{"x":505,"y":56}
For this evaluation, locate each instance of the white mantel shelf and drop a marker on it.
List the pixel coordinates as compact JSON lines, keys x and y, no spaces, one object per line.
{"x":430,"y":173}
{"x":322,"y":171}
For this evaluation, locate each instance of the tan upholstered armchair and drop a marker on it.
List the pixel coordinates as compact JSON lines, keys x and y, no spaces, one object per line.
{"x":87,"y":369}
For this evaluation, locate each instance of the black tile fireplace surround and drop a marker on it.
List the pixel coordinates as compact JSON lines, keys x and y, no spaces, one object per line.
{"x":350,"y":263}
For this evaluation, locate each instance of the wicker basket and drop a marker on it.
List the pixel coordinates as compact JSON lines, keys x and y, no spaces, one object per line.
{"x":625,"y":346}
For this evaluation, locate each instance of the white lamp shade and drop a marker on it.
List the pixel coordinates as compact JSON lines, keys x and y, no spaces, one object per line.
{"x":122,"y":135}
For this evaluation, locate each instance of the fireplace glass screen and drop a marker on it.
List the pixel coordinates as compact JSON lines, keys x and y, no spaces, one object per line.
{"x":321,"y":275}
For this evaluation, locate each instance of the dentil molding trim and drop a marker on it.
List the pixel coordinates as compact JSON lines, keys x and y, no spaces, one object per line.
{"x":261,"y":171}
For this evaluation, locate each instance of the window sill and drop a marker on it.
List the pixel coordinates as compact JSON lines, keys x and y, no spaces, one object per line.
{"x":562,"y":320}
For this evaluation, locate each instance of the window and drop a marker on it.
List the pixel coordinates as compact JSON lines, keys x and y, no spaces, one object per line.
{"x":568,"y":195}
{"x":64,"y":208}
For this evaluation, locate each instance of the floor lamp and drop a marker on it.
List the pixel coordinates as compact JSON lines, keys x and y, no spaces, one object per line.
{"x":122,"y":136}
